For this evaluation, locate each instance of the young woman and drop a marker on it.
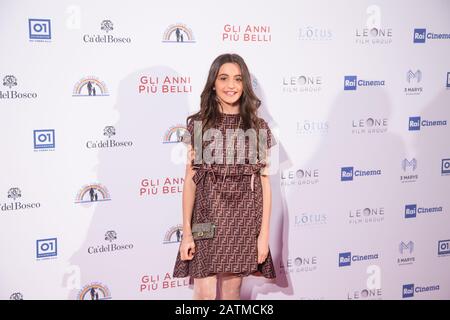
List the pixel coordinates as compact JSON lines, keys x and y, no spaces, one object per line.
{"x":233,"y":194}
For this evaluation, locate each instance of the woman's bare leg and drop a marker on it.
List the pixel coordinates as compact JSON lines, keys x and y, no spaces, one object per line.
{"x":230,"y":286}
{"x":205,"y":288}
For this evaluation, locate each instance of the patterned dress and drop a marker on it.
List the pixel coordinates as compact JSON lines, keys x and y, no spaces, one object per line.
{"x":235,"y":207}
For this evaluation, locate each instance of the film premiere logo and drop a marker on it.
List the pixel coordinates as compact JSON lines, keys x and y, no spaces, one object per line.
{"x":346,"y":258}
{"x":164,"y":84}
{"x":46,"y":248}
{"x":366,"y":215}
{"x":156,"y":282}
{"x":174,"y":235}
{"x":415,"y":123}
{"x":163,"y":186}
{"x":44,"y":140}
{"x":10,"y":81}
{"x":349,"y":173}
{"x":174,"y":134}
{"x":90,"y":87}
{"x":411,"y":78}
{"x":178,"y":33}
{"x":406,"y":249}
{"x":92,"y":193}
{"x":420,"y":35}
{"x":110,"y":247}
{"x":412,"y":210}
{"x":14,"y":194}
{"x":106,"y":26}
{"x":351,"y":83}
{"x":299,"y":177}
{"x":108,"y":131}
{"x":94,"y":291}
{"x":373,"y":33}
{"x":370,"y":126}
{"x":409,"y":166}
{"x":299,"y":265}
{"x":39,"y":30}
{"x":246,"y":33}
{"x":410,"y":289}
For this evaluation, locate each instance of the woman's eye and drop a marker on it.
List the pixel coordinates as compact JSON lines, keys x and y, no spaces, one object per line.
{"x":238,"y":79}
{"x":223,"y":78}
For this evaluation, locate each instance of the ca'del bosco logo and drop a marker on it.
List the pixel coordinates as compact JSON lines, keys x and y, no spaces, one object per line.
{"x":106,"y":26}
{"x":92,"y":193}
{"x":108,"y":132}
{"x":13,"y":195}
{"x":90,"y":87}
{"x":111,"y":246}
{"x":10,"y":82}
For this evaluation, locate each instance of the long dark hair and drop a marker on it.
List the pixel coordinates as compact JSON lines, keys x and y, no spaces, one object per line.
{"x":209,"y":107}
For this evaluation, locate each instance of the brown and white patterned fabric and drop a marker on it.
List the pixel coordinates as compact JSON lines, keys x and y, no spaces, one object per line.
{"x":235,"y":208}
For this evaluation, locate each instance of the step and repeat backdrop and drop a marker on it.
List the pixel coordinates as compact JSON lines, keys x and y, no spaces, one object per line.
{"x":93,"y":101}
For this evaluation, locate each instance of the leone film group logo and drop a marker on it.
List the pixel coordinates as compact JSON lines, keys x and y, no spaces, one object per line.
{"x":370,"y":125}
{"x":107,"y":26}
{"x":303,"y":83}
{"x":367,"y":215}
{"x":373,"y":33}
{"x":108,"y":131}
{"x":10,"y":81}
{"x":299,"y":177}
{"x":299,"y":264}
{"x":16,"y":206}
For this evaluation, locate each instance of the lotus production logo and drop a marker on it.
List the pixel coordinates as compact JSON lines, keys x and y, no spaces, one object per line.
{"x":10,"y":81}
{"x":107,"y":25}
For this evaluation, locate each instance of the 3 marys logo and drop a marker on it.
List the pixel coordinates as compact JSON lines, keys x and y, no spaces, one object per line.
{"x":178,"y":33}
{"x":93,"y":193}
{"x":174,"y":134}
{"x":94,"y":291}
{"x":90,"y":87}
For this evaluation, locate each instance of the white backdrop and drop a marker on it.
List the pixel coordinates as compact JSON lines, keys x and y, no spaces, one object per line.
{"x":335,"y":234}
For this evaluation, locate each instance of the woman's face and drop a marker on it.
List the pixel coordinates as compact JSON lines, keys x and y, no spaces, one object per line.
{"x":228,"y":84}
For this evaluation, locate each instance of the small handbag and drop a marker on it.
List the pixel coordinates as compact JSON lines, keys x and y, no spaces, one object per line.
{"x":205,"y":230}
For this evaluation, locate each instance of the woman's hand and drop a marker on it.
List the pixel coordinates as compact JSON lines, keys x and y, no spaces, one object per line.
{"x":187,"y":247}
{"x":263,"y":248}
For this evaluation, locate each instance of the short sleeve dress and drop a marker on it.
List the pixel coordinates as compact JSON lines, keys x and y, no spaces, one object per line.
{"x":235,"y":207}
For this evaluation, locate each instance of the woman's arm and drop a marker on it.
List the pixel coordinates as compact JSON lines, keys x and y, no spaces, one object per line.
{"x":263,"y":238}
{"x":187,"y":247}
